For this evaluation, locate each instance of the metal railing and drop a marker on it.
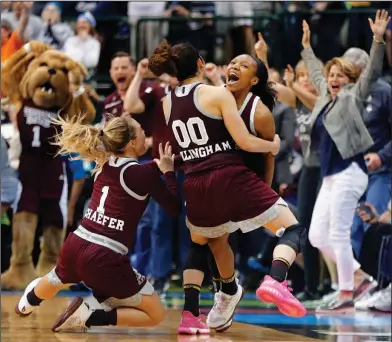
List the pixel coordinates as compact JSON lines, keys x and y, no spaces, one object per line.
{"x":273,"y":26}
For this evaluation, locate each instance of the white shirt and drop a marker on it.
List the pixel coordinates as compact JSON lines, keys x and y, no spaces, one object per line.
{"x":83,"y":50}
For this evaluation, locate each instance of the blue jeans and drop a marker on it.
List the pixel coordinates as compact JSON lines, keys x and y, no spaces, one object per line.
{"x":143,"y":239}
{"x":162,"y":238}
{"x":378,"y":194}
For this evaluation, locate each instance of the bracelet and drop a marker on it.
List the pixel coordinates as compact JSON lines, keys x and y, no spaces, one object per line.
{"x":79,"y":92}
{"x":377,"y":41}
{"x":27,"y":48}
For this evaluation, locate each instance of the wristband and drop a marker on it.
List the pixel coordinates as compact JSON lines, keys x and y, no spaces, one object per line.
{"x":377,"y":41}
{"x":79,"y":92}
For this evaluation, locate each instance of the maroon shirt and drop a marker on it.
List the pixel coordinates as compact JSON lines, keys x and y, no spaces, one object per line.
{"x":120,"y":196}
{"x":37,"y":131}
{"x":114,"y":106}
{"x":202,"y":139}
{"x":152,"y":98}
{"x":255,"y":161}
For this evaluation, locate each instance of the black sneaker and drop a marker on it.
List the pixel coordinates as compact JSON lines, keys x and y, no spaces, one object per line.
{"x":337,"y":306}
{"x":161,"y":285}
{"x":366,"y":286}
{"x":308,"y":296}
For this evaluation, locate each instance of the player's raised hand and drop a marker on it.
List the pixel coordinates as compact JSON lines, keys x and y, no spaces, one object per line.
{"x":166,"y":158}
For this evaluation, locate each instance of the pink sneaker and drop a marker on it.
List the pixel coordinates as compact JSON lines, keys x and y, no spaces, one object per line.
{"x":271,"y":291}
{"x":192,"y":325}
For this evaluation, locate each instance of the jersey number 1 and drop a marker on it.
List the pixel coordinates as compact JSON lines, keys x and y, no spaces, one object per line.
{"x":36,"y":138}
{"x":188,"y":132}
{"x":105,"y":192}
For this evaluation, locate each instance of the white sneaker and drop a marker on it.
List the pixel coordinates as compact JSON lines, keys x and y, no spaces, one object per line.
{"x":24,"y":308}
{"x":74,"y":317}
{"x":330,"y":296}
{"x":367,"y":302}
{"x":223,"y":310}
{"x":383,"y":302}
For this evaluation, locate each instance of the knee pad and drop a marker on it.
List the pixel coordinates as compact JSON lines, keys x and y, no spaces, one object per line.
{"x":295,"y":237}
{"x":197,"y":257}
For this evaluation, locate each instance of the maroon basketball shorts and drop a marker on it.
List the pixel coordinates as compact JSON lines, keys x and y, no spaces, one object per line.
{"x":43,"y":189}
{"x":103,"y":265}
{"x":224,"y":200}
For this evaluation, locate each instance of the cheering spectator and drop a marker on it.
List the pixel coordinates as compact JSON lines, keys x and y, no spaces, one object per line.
{"x":341,"y":138}
{"x":56,"y":32}
{"x":84,"y":47}
{"x":377,"y":116}
{"x":35,"y":26}
{"x":300,"y":94}
{"x":12,"y":40}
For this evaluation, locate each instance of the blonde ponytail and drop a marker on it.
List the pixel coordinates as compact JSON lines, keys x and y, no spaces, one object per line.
{"x":91,"y":143}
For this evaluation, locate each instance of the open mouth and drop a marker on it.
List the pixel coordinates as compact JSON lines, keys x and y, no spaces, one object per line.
{"x":121,"y":79}
{"x":335,"y":86}
{"x":47,"y":88}
{"x":233,"y":78}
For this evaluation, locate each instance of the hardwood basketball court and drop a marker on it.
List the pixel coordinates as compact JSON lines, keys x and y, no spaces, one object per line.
{"x":37,"y":326}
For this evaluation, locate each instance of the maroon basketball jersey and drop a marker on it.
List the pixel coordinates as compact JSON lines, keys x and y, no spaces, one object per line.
{"x":255,"y":161}
{"x":37,"y":131}
{"x":113,"y":106}
{"x":201,"y":138}
{"x":120,"y":196}
{"x":152,"y":98}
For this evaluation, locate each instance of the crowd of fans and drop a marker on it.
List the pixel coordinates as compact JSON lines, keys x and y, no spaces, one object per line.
{"x":319,"y":192}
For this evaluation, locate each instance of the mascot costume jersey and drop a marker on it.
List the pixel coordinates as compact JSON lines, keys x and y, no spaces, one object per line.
{"x":41,"y":84}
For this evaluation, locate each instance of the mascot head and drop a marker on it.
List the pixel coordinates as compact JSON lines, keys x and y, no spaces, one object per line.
{"x":45,"y":76}
{"x":47,"y":79}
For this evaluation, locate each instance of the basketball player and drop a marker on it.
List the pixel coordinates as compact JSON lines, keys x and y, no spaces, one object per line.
{"x":254,"y":102}
{"x":219,"y":189}
{"x":96,"y":253}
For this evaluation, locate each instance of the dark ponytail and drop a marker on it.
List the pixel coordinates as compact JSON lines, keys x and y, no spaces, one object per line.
{"x":178,"y":61}
{"x":263,"y":88}
{"x":161,"y":61}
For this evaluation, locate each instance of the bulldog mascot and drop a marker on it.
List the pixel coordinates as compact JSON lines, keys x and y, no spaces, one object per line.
{"x":41,"y":83}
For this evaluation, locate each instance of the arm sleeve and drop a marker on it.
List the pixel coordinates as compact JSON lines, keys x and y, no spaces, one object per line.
{"x":372,"y":71}
{"x":315,"y":71}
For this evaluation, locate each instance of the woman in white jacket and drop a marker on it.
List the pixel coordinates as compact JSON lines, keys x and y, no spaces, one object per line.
{"x":84,"y":47}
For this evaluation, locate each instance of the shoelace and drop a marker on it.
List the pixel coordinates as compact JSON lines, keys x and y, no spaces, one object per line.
{"x":285,"y":285}
{"x":222,"y":302}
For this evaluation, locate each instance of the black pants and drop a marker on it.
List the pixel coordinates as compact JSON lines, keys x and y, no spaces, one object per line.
{"x":308,"y":187}
{"x":369,"y":256}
